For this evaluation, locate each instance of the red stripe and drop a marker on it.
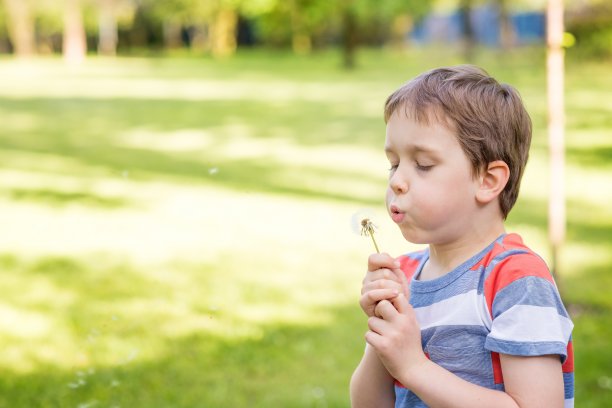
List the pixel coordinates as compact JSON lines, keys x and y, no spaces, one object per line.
{"x":408,"y":265}
{"x":514,"y":268}
{"x":498,"y":376}
{"x":568,"y":366}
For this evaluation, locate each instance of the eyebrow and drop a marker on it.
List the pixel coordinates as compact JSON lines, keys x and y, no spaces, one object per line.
{"x":415,"y":149}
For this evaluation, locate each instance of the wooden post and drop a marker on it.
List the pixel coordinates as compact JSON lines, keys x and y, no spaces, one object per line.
{"x":556,"y":123}
{"x":74,"y":45}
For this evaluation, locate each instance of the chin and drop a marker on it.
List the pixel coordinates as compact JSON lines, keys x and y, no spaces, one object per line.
{"x":414,"y":237}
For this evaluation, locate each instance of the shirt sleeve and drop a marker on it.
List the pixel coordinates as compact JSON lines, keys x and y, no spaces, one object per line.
{"x":528,"y":316}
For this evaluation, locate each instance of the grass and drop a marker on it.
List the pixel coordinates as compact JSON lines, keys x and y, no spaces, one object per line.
{"x":177,"y":231}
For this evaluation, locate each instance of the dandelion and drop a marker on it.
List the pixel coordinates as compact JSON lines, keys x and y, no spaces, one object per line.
{"x":362,"y":225}
{"x":213,"y":170}
{"x":368,"y":228}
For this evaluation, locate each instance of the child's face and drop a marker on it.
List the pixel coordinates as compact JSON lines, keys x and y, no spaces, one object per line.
{"x":431,"y":193}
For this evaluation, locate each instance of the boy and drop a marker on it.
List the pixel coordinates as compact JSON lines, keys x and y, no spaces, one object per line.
{"x":475,"y":320}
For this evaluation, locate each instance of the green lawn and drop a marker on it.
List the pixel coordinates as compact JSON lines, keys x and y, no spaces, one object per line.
{"x":176,"y":232}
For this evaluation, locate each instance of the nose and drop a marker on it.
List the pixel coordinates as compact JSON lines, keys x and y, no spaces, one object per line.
{"x":398,"y":183}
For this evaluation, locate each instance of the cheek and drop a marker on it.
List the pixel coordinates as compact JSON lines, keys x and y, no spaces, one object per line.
{"x":388,"y":196}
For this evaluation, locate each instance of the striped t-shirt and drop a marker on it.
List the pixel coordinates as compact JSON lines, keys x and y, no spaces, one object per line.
{"x":502,"y":300}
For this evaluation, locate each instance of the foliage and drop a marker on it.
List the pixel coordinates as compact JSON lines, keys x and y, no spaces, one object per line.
{"x":592,"y":27}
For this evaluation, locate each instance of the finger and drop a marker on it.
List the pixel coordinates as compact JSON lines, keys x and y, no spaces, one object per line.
{"x":379,"y":274}
{"x":372,"y":338}
{"x":379,"y":261}
{"x":385,"y":310}
{"x":376,"y":325}
{"x":381,"y":284}
{"x":377,"y":295}
{"x":404,"y":282}
{"x":400,"y":302}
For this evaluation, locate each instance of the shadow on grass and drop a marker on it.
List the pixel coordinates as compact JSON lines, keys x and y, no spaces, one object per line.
{"x":289,"y":363}
{"x":88,"y":131}
{"x":593,"y":227}
{"x":61,"y":198}
{"x":52,"y":124}
{"x":289,"y":366}
{"x":590,"y":305}
{"x":596,"y":158}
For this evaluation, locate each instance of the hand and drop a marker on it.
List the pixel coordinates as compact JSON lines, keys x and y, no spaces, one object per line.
{"x":396,"y":337}
{"x":384,"y":280}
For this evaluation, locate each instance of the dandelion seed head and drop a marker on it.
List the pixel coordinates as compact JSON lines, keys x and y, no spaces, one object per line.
{"x":357,"y":219}
{"x":213,"y":170}
{"x":363,"y":225}
{"x":367,"y":227}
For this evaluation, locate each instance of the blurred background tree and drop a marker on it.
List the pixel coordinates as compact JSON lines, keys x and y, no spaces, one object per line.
{"x":219,"y":27}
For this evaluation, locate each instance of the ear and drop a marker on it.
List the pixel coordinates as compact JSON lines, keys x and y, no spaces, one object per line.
{"x":492,"y":180}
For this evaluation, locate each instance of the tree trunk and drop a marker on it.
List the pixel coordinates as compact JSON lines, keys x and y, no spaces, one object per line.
{"x":74,"y":44}
{"x":172,"y":33}
{"x":107,"y":28}
{"x":349,"y":38}
{"x":300,"y":37}
{"x":21,"y":27}
{"x":556,"y":124}
{"x":465,"y":8}
{"x":223,"y":34}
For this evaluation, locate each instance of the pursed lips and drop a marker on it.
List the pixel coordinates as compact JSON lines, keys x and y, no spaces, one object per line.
{"x":397,"y":215}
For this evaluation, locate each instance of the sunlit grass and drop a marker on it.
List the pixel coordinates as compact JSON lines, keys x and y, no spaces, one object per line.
{"x":177,"y":232}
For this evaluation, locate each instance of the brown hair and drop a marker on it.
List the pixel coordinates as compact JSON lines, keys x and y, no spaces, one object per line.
{"x":488,"y":118}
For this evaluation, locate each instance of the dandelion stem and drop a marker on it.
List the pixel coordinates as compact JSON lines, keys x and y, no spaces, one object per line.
{"x":371,"y":232}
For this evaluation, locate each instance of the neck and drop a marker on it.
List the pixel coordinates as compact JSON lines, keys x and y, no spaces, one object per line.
{"x":444,"y":257}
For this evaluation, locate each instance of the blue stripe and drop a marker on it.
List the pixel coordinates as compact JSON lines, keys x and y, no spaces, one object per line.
{"x":407,"y":399}
{"x":460,"y":350}
{"x":463,"y":284}
{"x":530,"y":290}
{"x":464,"y":337}
{"x":463,"y":279}
{"x":515,"y":348}
{"x":568,"y":383}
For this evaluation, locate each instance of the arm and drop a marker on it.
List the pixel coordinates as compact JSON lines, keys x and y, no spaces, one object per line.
{"x":371,"y":384}
{"x":529,"y":381}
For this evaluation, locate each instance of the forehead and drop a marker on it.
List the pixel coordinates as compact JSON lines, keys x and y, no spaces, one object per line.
{"x":406,"y":133}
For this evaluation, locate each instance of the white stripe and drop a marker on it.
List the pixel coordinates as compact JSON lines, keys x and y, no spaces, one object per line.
{"x":464,"y":309}
{"x":526,"y":323}
{"x":569,"y":403}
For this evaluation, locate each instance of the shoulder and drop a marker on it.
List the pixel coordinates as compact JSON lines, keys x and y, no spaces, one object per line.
{"x":510,"y":260}
{"x":512,"y":273}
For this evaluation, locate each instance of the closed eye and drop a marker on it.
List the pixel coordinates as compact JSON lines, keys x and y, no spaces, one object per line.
{"x":422,"y":167}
